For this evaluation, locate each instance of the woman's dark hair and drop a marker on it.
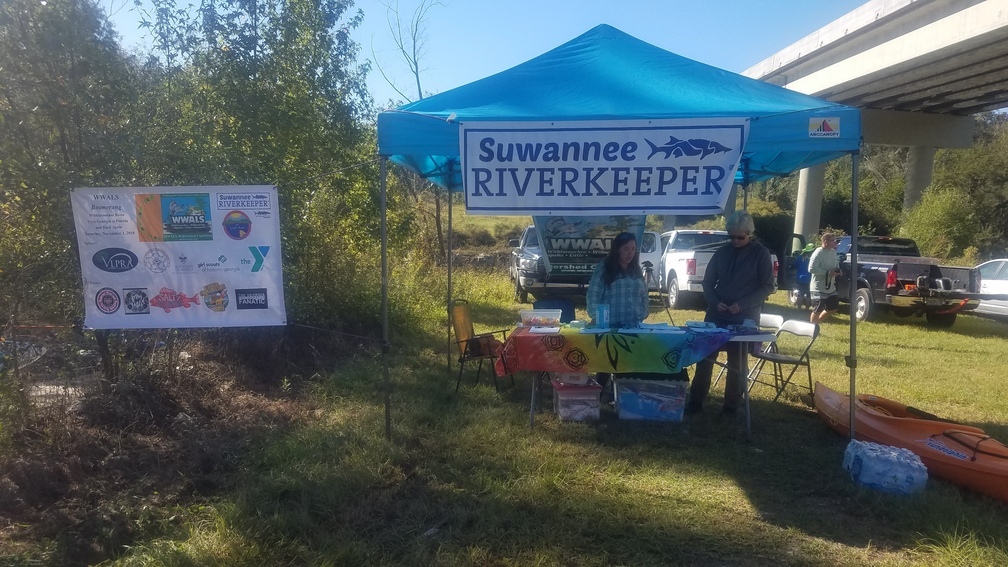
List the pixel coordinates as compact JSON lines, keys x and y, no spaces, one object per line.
{"x":611,"y":270}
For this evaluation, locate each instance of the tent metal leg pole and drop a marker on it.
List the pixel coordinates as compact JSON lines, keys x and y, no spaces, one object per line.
{"x":384,"y":303}
{"x":450,"y":239}
{"x":852,"y":358}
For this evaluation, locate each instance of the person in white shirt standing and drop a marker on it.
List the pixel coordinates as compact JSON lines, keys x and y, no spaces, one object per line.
{"x":824,"y":267}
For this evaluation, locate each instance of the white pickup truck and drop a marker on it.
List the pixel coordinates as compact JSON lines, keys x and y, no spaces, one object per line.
{"x":682,"y":265}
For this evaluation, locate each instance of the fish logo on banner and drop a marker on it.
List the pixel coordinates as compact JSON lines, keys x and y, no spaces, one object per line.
{"x":696,"y":147}
{"x":169,"y":299}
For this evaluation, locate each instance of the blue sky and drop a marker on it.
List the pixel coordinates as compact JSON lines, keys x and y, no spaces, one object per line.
{"x":471,"y":39}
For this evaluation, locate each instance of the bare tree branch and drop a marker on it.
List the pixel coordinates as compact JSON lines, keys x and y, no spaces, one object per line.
{"x":381,"y":70}
{"x":409,"y":38}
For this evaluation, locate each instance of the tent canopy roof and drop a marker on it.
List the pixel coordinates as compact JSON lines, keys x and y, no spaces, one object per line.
{"x":606,"y":74}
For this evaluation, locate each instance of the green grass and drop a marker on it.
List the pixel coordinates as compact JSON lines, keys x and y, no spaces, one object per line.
{"x":464,"y":481}
{"x":461,"y":218}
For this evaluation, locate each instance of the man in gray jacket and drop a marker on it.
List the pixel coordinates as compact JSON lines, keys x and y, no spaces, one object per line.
{"x":737,"y":281}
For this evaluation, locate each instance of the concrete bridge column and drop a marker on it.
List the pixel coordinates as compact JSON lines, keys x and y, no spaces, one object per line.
{"x":808,"y":208}
{"x":920,"y":164}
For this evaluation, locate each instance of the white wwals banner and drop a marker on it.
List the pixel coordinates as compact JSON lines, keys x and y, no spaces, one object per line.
{"x":599,"y":168}
{"x":166,"y":257}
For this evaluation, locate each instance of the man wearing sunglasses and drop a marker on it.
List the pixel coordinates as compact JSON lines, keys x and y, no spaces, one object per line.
{"x":737,"y":281}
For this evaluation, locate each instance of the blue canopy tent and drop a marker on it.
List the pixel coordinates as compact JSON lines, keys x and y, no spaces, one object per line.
{"x":606,"y":74}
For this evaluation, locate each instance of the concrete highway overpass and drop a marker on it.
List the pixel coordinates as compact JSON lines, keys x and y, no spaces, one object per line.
{"x":918,"y":69}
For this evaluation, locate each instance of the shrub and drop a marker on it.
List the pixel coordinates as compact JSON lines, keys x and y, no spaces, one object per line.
{"x":482,"y":237}
{"x":506,"y":231}
{"x":943,"y":223}
{"x":460,"y":239}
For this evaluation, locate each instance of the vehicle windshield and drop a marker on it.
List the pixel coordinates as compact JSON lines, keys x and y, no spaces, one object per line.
{"x":648,"y":243}
{"x":531,"y":238}
{"x":989,"y":270}
{"x":698,"y":241}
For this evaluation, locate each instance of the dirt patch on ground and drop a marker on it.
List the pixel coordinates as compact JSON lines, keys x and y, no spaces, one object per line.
{"x":87,"y":471}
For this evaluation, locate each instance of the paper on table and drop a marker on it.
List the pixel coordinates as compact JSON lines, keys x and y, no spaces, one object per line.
{"x":708,"y":330}
{"x":644,"y":328}
{"x":656,"y":326}
{"x":544,"y":330}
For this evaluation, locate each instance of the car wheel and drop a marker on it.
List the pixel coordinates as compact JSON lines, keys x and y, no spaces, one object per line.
{"x":673,"y":299}
{"x":520,"y":295}
{"x":945,"y":320}
{"x":903,"y":311}
{"x":794,"y":297}
{"x":864,"y":309}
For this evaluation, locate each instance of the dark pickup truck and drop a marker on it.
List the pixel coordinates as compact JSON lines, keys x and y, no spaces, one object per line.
{"x":892,"y":275}
{"x":529,"y":273}
{"x":527,"y":270}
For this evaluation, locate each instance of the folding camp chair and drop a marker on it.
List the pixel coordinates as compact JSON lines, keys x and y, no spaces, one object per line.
{"x":786,"y":355}
{"x":484,"y":346}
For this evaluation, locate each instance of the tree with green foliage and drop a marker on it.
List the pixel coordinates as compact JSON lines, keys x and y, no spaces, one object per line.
{"x":64,"y":90}
{"x":271,"y":92}
{"x":978,"y":177}
{"x":263,"y":92}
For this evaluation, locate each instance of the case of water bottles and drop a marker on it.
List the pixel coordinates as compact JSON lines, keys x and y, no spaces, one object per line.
{"x":889,"y":469}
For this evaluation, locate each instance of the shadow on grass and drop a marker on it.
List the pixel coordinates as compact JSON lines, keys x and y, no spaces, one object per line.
{"x":468,"y":476}
{"x":465,"y":480}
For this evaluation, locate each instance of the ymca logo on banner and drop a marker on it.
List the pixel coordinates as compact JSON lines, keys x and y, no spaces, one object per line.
{"x":259,"y":256}
{"x":599,"y":168}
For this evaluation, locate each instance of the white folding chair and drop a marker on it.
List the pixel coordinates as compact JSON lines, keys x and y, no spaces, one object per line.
{"x":769,"y":323}
{"x":786,"y":355}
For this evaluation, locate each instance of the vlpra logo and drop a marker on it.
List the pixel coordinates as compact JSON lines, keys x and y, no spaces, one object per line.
{"x":114,"y":260}
{"x":259,"y":255}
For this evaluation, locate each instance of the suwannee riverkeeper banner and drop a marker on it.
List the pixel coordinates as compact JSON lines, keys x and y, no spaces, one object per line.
{"x":612,"y":167}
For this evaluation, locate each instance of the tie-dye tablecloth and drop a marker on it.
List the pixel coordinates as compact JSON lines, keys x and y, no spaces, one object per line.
{"x":625,"y":350}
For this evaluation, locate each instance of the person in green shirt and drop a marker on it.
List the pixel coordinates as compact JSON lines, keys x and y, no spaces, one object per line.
{"x":824,"y":267}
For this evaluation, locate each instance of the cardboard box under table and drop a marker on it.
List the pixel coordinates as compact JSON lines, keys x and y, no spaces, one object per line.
{"x":654,"y":400}
{"x":576,"y":400}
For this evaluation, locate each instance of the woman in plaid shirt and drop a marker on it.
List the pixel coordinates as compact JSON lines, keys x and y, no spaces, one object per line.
{"x":619,"y":282}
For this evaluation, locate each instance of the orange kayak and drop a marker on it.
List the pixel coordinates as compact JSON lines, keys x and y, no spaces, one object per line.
{"x":958,"y":453}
